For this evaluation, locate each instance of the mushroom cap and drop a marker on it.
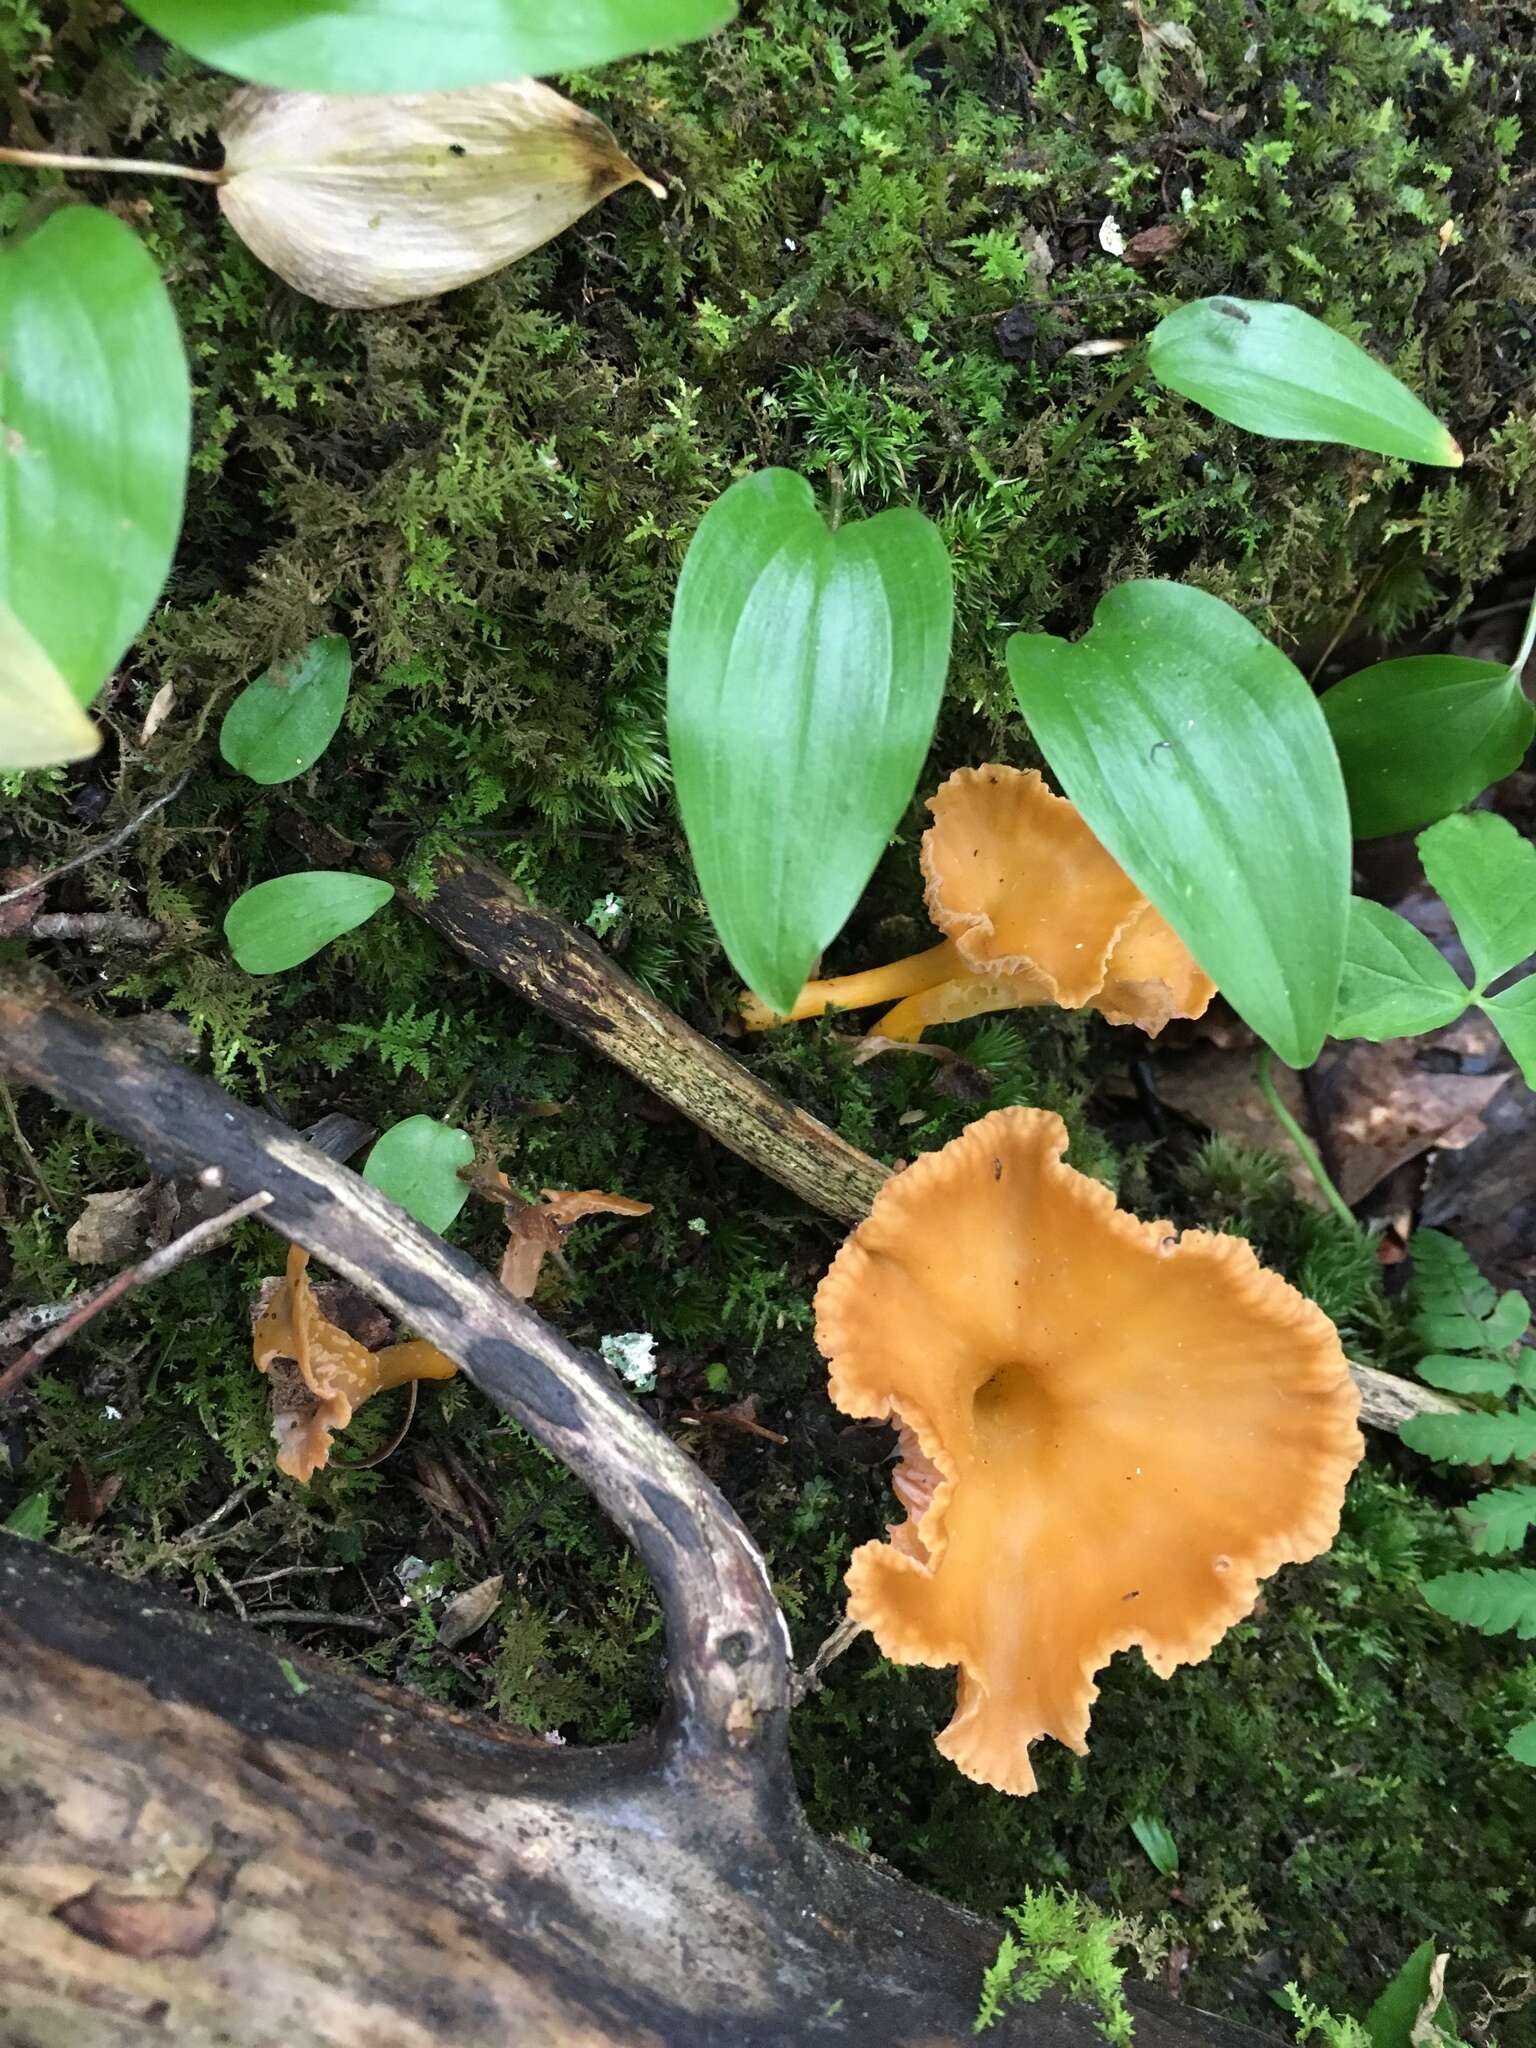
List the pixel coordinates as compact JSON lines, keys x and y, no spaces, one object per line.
{"x":1110,"y":1433}
{"x":1019,"y":883}
{"x":336,"y":1373}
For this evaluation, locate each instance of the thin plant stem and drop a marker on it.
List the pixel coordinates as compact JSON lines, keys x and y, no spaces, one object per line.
{"x":28,"y":1156}
{"x":1528,"y":640}
{"x":134,"y":167}
{"x":108,"y":845}
{"x":1311,"y":1158}
{"x":159,"y":1263}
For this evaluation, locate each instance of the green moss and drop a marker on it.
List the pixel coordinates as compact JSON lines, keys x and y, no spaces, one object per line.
{"x":490,"y":495}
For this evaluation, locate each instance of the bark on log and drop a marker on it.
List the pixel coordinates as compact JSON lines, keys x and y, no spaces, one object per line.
{"x":562,"y":971}
{"x":203,"y":1842}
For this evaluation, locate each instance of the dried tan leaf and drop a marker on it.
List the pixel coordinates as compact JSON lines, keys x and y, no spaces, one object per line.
{"x":536,"y":1229}
{"x":159,"y":711}
{"x":468,"y":1611}
{"x":111,"y":1228}
{"x":374,"y":201}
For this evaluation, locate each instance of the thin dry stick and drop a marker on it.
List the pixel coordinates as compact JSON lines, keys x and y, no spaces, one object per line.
{"x":108,"y":845}
{"x":292,"y":1617}
{"x":135,"y":167}
{"x":843,"y":1637}
{"x":28,"y":1156}
{"x":155,"y":1267}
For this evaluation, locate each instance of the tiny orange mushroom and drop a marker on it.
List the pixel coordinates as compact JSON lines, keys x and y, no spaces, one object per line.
{"x":334,"y":1373}
{"x":1109,"y":1433}
{"x":1033,"y":910}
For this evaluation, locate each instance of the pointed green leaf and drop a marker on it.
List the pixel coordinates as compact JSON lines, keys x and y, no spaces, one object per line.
{"x":1162,"y":1850}
{"x":1445,"y":1276}
{"x":1419,"y":738}
{"x":1522,"y":1744}
{"x":1486,"y":874}
{"x":41,"y":722}
{"x":280,"y":923}
{"x":1495,"y":1599}
{"x":30,"y":1518}
{"x":1390,"y":2021}
{"x":416,"y":1163}
{"x":280,"y":725}
{"x":1514,"y":1016}
{"x":1394,"y":984}
{"x":96,"y":409}
{"x":379,"y":46}
{"x":1466,"y":1375}
{"x":1502,"y":1519}
{"x":1472,"y":1439}
{"x":803,"y":681}
{"x":1167,"y":724}
{"x":1275,"y":370}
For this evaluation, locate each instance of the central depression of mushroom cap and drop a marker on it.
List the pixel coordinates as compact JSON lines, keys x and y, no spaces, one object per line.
{"x":1110,"y":1434}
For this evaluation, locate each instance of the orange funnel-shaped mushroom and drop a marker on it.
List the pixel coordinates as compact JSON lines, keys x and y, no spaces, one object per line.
{"x":1110,"y":1434}
{"x":321,"y":1375}
{"x":1033,"y":910}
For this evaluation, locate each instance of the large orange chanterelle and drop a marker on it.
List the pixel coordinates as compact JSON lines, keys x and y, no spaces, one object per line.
{"x":1109,"y":1433}
{"x":1033,"y":911}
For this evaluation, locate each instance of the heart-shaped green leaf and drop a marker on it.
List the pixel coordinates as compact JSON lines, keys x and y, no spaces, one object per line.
{"x":1394,"y":983}
{"x":803,"y":681}
{"x":380,"y":46}
{"x":1486,"y":875}
{"x":1200,"y":758}
{"x":1275,"y":370}
{"x":416,"y":1163}
{"x":281,"y":724}
{"x":1419,"y":738}
{"x":96,"y":408}
{"x":280,"y":923}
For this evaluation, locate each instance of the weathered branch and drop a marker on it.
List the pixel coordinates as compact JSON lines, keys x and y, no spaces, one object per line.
{"x":728,"y":1647}
{"x":562,"y":971}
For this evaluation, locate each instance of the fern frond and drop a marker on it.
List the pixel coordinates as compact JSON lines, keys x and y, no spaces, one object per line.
{"x":1497,"y":1602}
{"x":1502,"y":1519}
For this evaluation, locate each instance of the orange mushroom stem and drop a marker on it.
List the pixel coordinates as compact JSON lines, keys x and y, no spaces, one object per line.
{"x":1034,"y":911}
{"x":320,"y":1375}
{"x":1109,"y":1433}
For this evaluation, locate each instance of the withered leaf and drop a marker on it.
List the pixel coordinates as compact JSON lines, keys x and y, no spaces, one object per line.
{"x":1151,"y":245}
{"x":374,"y":201}
{"x":144,"y":1926}
{"x":111,"y":1228}
{"x":468,"y":1611}
{"x":87,"y":1498}
{"x":536,"y":1229}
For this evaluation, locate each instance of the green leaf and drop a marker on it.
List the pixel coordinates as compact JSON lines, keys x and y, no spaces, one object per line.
{"x":380,"y":46}
{"x":1492,"y":1598}
{"x":285,"y":921}
{"x":41,"y":722}
{"x":1522,"y":1743}
{"x":1514,"y":1015}
{"x":1199,"y":756}
{"x":804,"y":677}
{"x":1155,"y":1838}
{"x":30,"y":1518}
{"x":1394,"y":984}
{"x":280,"y":725}
{"x":1472,"y":1439}
{"x":416,"y":1163}
{"x":1445,"y":1276}
{"x":1419,"y":738}
{"x":1390,"y":2021}
{"x":1502,"y":1519}
{"x":1504,"y":1324}
{"x":1467,"y":1375}
{"x":1275,"y":370}
{"x":96,"y":407}
{"x":1486,"y":875}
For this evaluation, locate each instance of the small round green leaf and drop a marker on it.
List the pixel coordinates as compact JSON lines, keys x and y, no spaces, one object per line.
{"x":281,"y":724}
{"x":1419,"y":738}
{"x":96,"y":406}
{"x":1199,"y":756}
{"x":1275,"y":370}
{"x":285,"y":921}
{"x":416,"y":1163}
{"x":387,"y":46}
{"x":1395,"y":984}
{"x":803,"y":680}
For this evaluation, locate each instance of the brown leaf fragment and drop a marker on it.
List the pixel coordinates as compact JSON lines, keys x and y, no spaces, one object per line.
{"x":111,"y":1228}
{"x":147,"y":1925}
{"x":468,"y":1612}
{"x":532,"y":1234}
{"x":569,"y":1206}
{"x":159,"y":711}
{"x":16,"y":918}
{"x":537,"y":1230}
{"x":1151,"y":245}
{"x":740,"y":1414}
{"x":87,"y":1498}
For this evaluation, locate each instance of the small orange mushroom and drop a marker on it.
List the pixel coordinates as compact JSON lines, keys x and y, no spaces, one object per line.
{"x":1109,"y":1433}
{"x":321,"y":1376}
{"x":1033,"y":910}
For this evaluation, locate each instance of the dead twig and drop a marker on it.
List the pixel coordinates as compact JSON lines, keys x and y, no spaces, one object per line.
{"x":295,"y":1617}
{"x":843,"y":1637}
{"x":28,"y":1156}
{"x":96,"y":928}
{"x":155,"y":1267}
{"x":102,"y":846}
{"x":26,"y":1322}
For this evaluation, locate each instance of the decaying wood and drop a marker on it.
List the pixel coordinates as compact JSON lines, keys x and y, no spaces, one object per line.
{"x":562,"y":971}
{"x":202,"y":1841}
